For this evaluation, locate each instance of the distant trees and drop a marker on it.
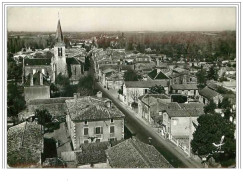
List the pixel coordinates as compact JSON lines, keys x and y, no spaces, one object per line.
{"x":201,"y":78}
{"x":210,"y":129}
{"x":131,"y":75}
{"x":213,"y":74}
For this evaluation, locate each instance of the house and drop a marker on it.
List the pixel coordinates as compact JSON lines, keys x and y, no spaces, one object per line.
{"x":179,"y":122}
{"x":150,"y":105}
{"x":141,"y":58}
{"x":93,"y":119}
{"x":190,"y":90}
{"x":132,"y":153}
{"x":207,"y":94}
{"x":182,"y":78}
{"x":134,"y":89}
{"x":229,"y":85}
{"x":56,"y":106}
{"x":25,"y":145}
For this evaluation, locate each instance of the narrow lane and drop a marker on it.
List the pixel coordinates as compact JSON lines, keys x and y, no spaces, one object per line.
{"x":142,"y":131}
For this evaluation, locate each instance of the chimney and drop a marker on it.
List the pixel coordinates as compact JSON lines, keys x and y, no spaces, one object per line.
{"x":158,"y":70}
{"x":75,"y":96}
{"x":157,"y":61}
{"x":41,"y":79}
{"x":31,"y":80}
{"x":99,"y":94}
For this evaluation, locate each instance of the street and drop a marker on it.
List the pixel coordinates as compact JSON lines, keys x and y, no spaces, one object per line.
{"x":173,"y":154}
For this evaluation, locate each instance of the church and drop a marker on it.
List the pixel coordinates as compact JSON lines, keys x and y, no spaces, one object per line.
{"x":39,"y":73}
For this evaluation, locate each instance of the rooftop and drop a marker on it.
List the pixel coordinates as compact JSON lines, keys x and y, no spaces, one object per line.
{"x":92,"y":153}
{"x":25,"y":144}
{"x":157,"y":75}
{"x":184,"y":86}
{"x":132,"y":153}
{"x":92,"y":108}
{"x":37,"y":61}
{"x":144,"y":84}
{"x":208,"y":93}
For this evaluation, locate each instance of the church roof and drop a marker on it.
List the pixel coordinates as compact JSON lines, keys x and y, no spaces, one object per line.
{"x":59,"y":35}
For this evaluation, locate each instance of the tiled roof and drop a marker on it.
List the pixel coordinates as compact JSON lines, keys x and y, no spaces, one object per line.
{"x":25,"y":144}
{"x":132,"y":153}
{"x":208,"y":93}
{"x":157,"y":75}
{"x":184,"y":112}
{"x":92,"y":108}
{"x":144,"y":84}
{"x":37,"y":61}
{"x":92,"y":153}
{"x":184,"y":86}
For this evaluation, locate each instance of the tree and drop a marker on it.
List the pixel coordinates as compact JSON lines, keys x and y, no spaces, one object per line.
{"x":210,"y":108}
{"x":44,"y":117}
{"x":14,"y":70}
{"x":15,"y":100}
{"x":210,"y":129}
{"x":225,"y":104}
{"x":131,"y":75}
{"x":86,"y":85}
{"x":157,"y":89}
{"x":213,"y":73}
{"x":227,"y":114}
{"x":201,"y":78}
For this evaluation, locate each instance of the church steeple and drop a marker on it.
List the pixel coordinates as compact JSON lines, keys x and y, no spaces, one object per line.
{"x":59,"y":35}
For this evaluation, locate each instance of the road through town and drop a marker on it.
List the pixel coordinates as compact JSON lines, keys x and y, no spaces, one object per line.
{"x":173,"y":154}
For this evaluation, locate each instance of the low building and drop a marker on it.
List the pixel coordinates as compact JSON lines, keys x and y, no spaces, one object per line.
{"x":190,"y":90}
{"x":132,"y":153}
{"x":150,"y":104}
{"x":134,"y":89}
{"x":179,"y":122}
{"x":25,"y":145}
{"x":207,"y":94}
{"x":93,"y":119}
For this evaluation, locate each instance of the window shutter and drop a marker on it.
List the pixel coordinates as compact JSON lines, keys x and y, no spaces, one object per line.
{"x":94,"y":131}
{"x":101,"y":130}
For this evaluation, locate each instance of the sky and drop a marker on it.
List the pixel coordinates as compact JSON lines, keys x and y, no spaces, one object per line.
{"x":79,"y":19}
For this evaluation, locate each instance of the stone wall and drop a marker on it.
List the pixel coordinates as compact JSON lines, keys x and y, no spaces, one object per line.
{"x":36,"y":92}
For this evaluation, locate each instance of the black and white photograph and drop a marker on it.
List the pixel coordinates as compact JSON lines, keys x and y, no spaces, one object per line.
{"x":88,"y":92}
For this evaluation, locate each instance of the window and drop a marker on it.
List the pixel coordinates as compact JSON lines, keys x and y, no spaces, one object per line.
{"x":86,"y":141}
{"x":112,"y":139}
{"x":85,"y":122}
{"x":112,"y":120}
{"x":146,"y":91}
{"x":98,"y":130}
{"x":86,"y":131}
{"x":59,"y":51}
{"x":97,"y":140}
{"x":112,"y":129}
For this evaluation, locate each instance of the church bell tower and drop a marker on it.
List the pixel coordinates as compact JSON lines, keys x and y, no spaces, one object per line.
{"x":59,"y":64}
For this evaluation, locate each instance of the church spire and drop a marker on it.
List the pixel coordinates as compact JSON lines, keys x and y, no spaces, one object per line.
{"x":59,"y":35}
